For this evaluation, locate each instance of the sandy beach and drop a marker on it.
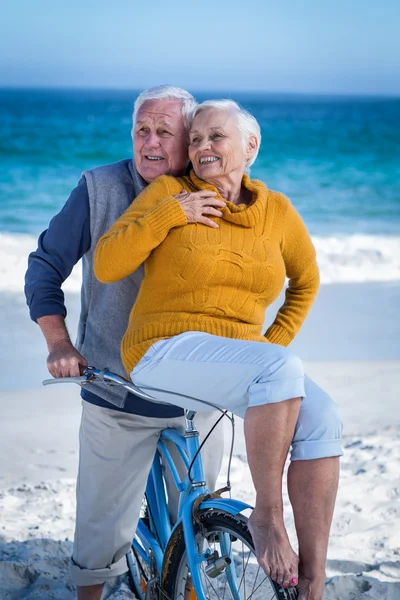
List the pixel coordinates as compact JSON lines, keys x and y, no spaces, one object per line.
{"x":349,"y":345}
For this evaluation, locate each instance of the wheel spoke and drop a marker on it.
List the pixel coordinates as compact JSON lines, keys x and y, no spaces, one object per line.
{"x":258,"y":587}
{"x":255,"y":581}
{"x":244,"y":570}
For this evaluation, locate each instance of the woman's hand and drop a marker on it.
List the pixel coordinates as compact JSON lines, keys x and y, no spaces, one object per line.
{"x":196,"y":205}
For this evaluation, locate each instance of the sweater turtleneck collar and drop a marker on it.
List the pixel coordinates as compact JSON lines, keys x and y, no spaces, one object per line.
{"x":246,"y":215}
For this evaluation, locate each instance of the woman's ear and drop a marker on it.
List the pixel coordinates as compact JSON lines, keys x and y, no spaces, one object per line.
{"x":251,"y":147}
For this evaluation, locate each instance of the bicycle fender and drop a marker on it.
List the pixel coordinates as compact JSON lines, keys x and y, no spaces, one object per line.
{"x":227,"y":504}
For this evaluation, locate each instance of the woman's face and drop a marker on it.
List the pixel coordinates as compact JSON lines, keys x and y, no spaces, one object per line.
{"x":216,"y":148}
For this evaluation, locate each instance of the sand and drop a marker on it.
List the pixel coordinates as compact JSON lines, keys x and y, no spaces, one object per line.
{"x":350,"y":347}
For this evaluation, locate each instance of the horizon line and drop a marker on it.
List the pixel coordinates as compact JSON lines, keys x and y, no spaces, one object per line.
{"x":393,"y":96}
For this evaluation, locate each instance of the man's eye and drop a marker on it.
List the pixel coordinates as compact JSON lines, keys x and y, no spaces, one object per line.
{"x":142,"y":131}
{"x":164,"y":133}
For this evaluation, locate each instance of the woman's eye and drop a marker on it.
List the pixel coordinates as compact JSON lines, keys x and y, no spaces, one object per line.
{"x":195,"y":140}
{"x":216,"y":135}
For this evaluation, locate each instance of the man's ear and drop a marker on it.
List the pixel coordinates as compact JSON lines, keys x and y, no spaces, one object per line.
{"x":251,"y":147}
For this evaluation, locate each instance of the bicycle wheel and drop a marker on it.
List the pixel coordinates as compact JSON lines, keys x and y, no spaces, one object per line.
{"x":232,"y":566}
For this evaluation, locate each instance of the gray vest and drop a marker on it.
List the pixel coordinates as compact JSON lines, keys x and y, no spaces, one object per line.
{"x":105,"y":308}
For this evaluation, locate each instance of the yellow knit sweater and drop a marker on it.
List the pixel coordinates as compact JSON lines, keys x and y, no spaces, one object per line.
{"x":198,"y":278}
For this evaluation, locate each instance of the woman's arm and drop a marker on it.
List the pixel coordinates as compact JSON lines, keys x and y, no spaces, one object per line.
{"x":298,"y":254}
{"x":137,"y":232}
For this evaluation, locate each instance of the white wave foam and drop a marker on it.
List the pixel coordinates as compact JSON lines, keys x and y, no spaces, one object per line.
{"x":14,"y":251}
{"x":342,"y":259}
{"x":358,"y":258}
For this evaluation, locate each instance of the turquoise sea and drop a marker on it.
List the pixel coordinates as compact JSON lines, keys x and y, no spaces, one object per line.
{"x":337,"y":158}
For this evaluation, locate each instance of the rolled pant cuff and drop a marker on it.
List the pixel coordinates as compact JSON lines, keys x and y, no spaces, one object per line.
{"x":84,"y":577}
{"x":279,"y":390}
{"x":309,"y":450}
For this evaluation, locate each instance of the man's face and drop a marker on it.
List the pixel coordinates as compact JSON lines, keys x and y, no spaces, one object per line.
{"x":160,"y":140}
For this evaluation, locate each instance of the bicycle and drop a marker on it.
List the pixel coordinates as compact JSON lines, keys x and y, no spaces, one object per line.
{"x":208,"y":554}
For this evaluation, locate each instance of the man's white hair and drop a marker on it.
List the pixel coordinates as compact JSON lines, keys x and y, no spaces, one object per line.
{"x":247,"y":124}
{"x":167,"y":92}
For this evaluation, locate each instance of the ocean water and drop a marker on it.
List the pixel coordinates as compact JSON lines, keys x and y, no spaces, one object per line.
{"x":338,"y":159}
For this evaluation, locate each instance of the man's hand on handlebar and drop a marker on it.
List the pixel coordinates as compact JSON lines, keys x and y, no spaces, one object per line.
{"x":65,"y":361}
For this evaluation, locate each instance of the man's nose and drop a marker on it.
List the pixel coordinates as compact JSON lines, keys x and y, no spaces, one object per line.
{"x":152,"y":140}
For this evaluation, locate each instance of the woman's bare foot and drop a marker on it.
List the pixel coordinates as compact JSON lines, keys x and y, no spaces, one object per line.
{"x":273,"y":550}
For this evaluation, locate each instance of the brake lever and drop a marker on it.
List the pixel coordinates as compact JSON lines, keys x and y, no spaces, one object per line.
{"x":81,"y":380}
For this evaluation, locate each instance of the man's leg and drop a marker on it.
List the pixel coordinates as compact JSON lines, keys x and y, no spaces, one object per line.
{"x":116,"y":452}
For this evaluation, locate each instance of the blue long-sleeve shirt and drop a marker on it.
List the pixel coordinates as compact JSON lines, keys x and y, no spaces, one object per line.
{"x":60,"y":247}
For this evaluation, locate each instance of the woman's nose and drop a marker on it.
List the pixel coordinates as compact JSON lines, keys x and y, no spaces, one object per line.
{"x":204,"y":145}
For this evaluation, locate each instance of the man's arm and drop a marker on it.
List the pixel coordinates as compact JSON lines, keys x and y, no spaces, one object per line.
{"x":60,"y":247}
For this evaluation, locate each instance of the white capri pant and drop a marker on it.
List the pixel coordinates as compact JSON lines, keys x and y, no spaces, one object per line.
{"x":238,"y":374}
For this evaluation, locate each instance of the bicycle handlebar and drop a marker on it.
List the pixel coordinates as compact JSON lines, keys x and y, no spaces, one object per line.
{"x":90,"y":374}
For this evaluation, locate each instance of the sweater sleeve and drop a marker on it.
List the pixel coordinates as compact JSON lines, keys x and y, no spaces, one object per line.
{"x":299,"y":257}
{"x":137,"y":232}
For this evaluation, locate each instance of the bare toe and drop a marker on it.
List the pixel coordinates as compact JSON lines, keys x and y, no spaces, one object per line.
{"x":273,"y":550}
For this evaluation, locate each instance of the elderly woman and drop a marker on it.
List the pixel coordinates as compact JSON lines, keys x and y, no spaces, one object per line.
{"x":216,"y":247}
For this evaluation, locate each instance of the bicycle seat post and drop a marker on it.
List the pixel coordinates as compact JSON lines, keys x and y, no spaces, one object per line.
{"x":192,"y":441}
{"x":190,"y":415}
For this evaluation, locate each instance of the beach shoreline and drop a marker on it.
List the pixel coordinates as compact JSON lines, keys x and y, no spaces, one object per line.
{"x":354,"y":321}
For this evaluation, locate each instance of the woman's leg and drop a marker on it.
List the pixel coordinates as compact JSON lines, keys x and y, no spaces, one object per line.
{"x":312,"y":486}
{"x":255,"y":376}
{"x":269,"y":431}
{"x":263,"y":379}
{"x":313,"y":483}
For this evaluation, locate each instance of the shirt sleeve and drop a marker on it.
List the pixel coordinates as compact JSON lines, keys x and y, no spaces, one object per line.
{"x":299,"y":256}
{"x":137,"y":232}
{"x":60,"y":247}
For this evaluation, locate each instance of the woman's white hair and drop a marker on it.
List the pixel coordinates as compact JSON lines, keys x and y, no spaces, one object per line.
{"x":167,"y":92}
{"x":247,"y":124}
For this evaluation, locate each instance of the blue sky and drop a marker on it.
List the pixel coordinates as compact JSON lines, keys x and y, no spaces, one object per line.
{"x":319,"y":46}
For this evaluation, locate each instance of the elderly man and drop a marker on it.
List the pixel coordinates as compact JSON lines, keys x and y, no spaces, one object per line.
{"x":117,"y":445}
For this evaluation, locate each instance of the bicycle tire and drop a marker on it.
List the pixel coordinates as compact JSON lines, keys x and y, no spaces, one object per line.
{"x":138,"y":570}
{"x":137,"y":575}
{"x":213,"y":522}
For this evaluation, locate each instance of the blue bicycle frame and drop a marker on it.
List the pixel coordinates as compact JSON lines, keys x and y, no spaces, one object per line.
{"x":156,"y":536}
{"x":152,"y":541}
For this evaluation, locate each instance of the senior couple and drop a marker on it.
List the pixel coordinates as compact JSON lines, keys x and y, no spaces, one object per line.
{"x":216,"y":247}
